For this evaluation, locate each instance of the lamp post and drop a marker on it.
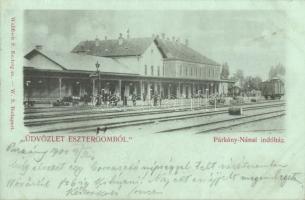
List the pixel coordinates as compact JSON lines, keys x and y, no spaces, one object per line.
{"x":28,"y":86}
{"x":212,"y":88}
{"x":199,"y":98}
{"x":169,"y":91}
{"x":97,"y":65}
{"x":206,"y":103}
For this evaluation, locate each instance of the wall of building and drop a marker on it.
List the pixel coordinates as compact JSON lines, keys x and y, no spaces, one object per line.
{"x":42,"y":88}
{"x":177,"y":68}
{"x":223,"y":88}
{"x":152,"y":59}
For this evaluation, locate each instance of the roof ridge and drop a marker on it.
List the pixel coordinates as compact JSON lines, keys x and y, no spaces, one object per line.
{"x":112,"y":48}
{"x":183,"y":51}
{"x":112,"y":39}
{"x":137,"y":46}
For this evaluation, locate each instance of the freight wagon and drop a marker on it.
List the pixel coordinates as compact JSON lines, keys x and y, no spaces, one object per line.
{"x":273,"y":88}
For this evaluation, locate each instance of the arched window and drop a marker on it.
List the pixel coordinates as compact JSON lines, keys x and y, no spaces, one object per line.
{"x":158,"y":70}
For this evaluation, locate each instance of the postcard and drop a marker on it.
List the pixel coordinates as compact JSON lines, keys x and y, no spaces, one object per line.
{"x":152,"y":100}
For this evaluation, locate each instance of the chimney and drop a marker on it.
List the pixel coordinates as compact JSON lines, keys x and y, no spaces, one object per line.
{"x":177,"y":41}
{"x":121,"y":39}
{"x":163,"y":36}
{"x":173,"y":38}
{"x":38,"y":47}
{"x":106,"y":38}
{"x":97,"y":42}
{"x":186,"y":42}
{"x":153,"y":36}
{"x":157,"y":37}
{"x":128,"y":35}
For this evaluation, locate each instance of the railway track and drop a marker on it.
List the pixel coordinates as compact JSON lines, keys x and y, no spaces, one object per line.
{"x":57,"y":112}
{"x":149,"y":120}
{"x":227,"y":123}
{"x":77,"y":117}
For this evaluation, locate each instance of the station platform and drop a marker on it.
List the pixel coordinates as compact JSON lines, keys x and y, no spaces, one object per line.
{"x":191,"y":103}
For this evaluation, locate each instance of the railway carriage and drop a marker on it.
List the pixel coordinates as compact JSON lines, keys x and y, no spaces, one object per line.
{"x":273,"y":88}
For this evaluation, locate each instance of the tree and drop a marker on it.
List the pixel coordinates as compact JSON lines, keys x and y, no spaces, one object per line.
{"x":251,"y":83}
{"x":225,"y":71}
{"x":256,"y":82}
{"x":238,"y":77}
{"x":278,"y":70}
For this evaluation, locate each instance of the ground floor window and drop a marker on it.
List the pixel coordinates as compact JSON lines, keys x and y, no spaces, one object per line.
{"x":145,"y":70}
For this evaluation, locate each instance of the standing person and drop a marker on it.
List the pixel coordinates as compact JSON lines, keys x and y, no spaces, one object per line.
{"x":134,"y":99}
{"x":160,"y":99}
{"x":107,"y":98}
{"x":112,"y":99}
{"x":116,"y":100}
{"x":125,"y":101}
{"x":155,"y":97}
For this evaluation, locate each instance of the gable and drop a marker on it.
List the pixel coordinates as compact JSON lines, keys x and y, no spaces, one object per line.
{"x":152,"y":56}
{"x":40,"y":61}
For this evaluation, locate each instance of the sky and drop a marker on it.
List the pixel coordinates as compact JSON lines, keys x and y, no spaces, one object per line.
{"x":252,"y":40}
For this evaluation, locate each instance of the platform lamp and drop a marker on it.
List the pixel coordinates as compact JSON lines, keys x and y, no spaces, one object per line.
{"x":206,"y":103}
{"x":97,"y":65}
{"x":28,"y":87}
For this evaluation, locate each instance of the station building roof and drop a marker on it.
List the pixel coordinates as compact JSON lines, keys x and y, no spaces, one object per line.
{"x":112,"y":48}
{"x":170,"y":50}
{"x":76,"y":62}
{"x":179,"y":51}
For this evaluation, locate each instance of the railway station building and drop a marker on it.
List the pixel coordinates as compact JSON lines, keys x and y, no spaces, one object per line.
{"x":126,"y":66}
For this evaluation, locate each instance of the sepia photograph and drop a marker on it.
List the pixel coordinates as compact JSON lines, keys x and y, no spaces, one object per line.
{"x":160,"y":99}
{"x":124,"y":71}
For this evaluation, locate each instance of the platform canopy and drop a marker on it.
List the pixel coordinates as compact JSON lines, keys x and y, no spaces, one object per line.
{"x":51,"y":60}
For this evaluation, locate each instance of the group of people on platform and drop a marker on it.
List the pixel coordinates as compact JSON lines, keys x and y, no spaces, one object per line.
{"x":113,"y":99}
{"x":156,"y":98}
